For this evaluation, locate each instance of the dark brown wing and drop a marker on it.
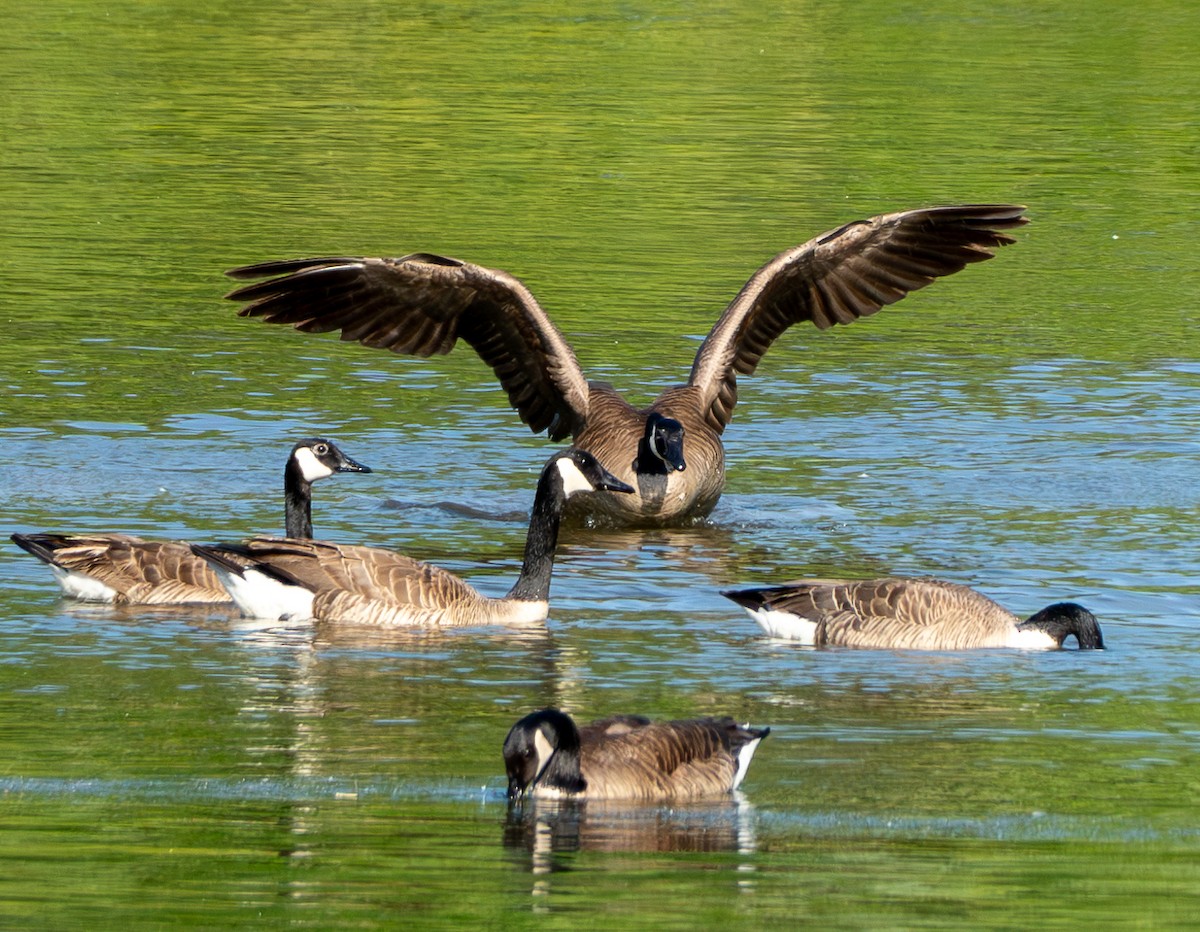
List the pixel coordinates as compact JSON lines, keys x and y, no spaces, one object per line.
{"x":375,"y":574}
{"x":686,"y":759}
{"x":141,"y":572}
{"x":890,"y":612}
{"x":840,"y":276}
{"x":421,"y":305}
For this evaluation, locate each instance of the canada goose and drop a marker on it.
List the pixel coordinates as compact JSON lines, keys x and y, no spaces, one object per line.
{"x":127,"y":570}
{"x":272,"y":577}
{"x":922,"y":614}
{"x":422,"y":304}
{"x":627,"y":757}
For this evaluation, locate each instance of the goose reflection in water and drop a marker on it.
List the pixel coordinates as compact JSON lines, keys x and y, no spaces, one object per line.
{"x":548,"y":834}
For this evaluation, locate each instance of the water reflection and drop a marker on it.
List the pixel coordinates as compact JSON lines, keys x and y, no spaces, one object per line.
{"x":545,"y":836}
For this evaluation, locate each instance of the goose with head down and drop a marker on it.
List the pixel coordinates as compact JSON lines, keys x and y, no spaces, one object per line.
{"x":547,"y":756}
{"x":280,"y":578}
{"x":671,"y":452}
{"x":918,"y":614}
{"x":126,"y":570}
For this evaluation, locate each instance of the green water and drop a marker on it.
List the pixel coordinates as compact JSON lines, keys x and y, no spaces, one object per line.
{"x":1027,"y":427}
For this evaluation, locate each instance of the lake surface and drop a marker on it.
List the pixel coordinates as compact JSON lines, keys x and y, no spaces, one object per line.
{"x":1027,"y":427}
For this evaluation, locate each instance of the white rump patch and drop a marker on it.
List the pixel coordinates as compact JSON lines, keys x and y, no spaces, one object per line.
{"x":573,"y":478}
{"x":785,"y":625}
{"x":745,"y":755}
{"x":83,"y":587}
{"x":258,"y":595}
{"x":310,"y":467}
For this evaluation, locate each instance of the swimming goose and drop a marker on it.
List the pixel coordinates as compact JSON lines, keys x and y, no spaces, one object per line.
{"x":271,"y":577}
{"x":422,"y":304}
{"x":125,"y":570}
{"x":921,"y":614}
{"x":627,"y":757}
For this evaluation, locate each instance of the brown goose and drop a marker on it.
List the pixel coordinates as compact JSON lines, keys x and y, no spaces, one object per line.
{"x":273,"y":577}
{"x":919,"y":614}
{"x":423,"y":304}
{"x":125,"y":570}
{"x":627,"y":757}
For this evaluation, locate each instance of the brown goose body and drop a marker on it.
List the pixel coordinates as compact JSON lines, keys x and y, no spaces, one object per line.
{"x":627,"y":757}
{"x":615,"y":434}
{"x":424,"y":304}
{"x":274,"y":577}
{"x":122,"y":569}
{"x":366,"y":586}
{"x":916,"y":614}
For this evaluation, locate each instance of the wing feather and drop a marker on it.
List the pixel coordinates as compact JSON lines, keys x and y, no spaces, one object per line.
{"x":838,"y":277}
{"x":421,"y":305}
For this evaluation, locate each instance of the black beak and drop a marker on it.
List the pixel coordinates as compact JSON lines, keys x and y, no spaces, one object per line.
{"x":345,"y":464}
{"x":668,"y":446}
{"x":610,"y":483}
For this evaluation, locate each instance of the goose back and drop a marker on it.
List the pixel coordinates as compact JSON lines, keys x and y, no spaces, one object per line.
{"x":894,"y":612}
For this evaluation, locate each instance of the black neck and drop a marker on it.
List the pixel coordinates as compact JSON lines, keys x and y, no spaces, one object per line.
{"x":297,"y":502}
{"x":533,"y":585}
{"x":563,"y":772}
{"x":648,"y":463}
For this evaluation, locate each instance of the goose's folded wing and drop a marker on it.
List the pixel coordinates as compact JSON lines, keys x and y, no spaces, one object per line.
{"x":368,"y":572}
{"x":141,"y":571}
{"x":838,"y":277}
{"x":685,"y":759}
{"x":892,"y":612}
{"x":421,"y":305}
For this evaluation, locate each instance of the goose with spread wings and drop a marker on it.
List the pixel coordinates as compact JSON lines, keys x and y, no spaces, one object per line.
{"x":671,"y":451}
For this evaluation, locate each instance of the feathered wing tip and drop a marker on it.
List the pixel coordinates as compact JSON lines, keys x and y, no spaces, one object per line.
{"x":41,"y":546}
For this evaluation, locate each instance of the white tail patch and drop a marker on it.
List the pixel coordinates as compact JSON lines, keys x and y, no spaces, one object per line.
{"x":745,"y":755}
{"x":311,"y":468}
{"x":83,"y":587}
{"x":258,"y":595}
{"x":785,"y":625}
{"x":573,"y":479}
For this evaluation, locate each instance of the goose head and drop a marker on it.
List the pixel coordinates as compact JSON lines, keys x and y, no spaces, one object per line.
{"x":661,"y":447}
{"x":579,"y":471}
{"x":317,"y":458}
{"x":543,"y":746}
{"x":1065,"y":619}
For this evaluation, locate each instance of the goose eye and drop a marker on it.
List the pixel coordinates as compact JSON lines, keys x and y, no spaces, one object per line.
{"x":320,"y":449}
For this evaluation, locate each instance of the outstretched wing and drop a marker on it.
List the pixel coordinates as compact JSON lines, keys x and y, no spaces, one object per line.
{"x":838,"y":277}
{"x":421,"y":305}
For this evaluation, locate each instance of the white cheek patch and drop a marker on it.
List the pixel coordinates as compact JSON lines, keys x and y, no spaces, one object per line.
{"x":311,"y":468}
{"x":1031,"y":639}
{"x":544,"y":752}
{"x":744,"y":756}
{"x":573,"y":479}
